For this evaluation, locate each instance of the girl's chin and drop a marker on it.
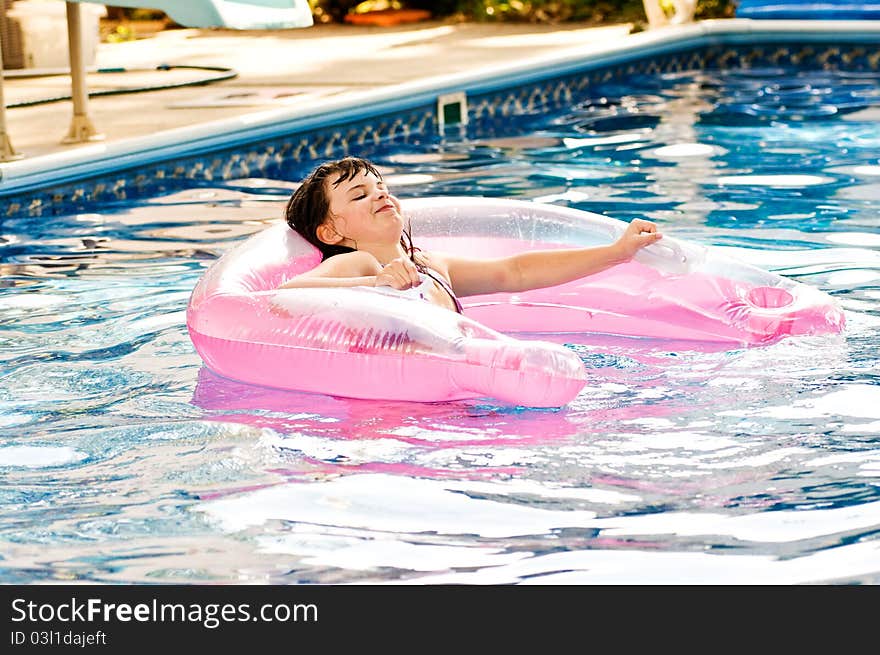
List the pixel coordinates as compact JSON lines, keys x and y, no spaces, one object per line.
{"x":395,"y":218}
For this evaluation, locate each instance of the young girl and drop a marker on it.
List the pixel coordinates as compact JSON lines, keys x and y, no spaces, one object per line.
{"x":345,"y":210}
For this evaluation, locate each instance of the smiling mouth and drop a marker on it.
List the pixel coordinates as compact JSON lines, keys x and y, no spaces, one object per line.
{"x":385,"y":208}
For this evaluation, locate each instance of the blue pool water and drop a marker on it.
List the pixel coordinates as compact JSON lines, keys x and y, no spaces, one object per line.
{"x":124,"y":460}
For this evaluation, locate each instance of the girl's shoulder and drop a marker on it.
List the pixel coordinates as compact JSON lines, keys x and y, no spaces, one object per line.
{"x":436,"y":261}
{"x":350,"y":264}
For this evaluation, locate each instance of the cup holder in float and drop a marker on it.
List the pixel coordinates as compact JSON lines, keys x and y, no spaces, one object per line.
{"x":770,"y":297}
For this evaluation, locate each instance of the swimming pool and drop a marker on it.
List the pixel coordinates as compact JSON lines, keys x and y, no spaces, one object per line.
{"x":124,"y":460}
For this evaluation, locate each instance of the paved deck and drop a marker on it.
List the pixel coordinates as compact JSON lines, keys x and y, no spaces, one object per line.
{"x":274,"y":68}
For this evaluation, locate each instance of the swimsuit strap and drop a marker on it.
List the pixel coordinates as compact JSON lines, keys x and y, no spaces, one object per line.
{"x":448,"y":289}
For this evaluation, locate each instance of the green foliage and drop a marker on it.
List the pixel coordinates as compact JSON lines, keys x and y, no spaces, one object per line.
{"x":536,"y":11}
{"x":552,"y":11}
{"x":121,"y":33}
{"x":715,"y":8}
{"x":129,"y":13}
{"x":327,"y":11}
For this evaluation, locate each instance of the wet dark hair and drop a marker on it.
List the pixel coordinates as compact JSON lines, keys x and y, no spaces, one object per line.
{"x":309,"y":206}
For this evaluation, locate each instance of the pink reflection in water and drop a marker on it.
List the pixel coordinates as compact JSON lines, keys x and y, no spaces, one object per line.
{"x":435,"y":427}
{"x":431,"y":426}
{"x":439,"y":425}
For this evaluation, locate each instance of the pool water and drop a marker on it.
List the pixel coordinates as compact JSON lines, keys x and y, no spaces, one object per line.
{"x":124,"y":460}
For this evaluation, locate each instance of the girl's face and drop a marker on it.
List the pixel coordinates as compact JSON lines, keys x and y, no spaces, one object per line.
{"x":362,"y":212}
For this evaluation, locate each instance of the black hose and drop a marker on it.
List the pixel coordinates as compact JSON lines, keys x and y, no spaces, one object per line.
{"x":225,"y":74}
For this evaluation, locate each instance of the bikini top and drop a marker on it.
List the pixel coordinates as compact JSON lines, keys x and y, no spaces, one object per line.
{"x":420,"y":292}
{"x":446,"y":287}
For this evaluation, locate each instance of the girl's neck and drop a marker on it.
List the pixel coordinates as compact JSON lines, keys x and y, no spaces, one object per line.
{"x":385,"y":253}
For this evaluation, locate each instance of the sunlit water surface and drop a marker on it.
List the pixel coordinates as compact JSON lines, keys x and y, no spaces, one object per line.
{"x":124,"y":460}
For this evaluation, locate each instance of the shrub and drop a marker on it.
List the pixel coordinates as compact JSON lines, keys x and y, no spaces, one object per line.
{"x":539,"y":11}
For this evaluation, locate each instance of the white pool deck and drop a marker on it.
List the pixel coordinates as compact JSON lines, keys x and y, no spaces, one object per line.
{"x":305,"y":72}
{"x":283,"y":69}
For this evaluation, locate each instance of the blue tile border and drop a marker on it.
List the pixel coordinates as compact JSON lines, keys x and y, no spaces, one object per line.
{"x":287,"y":148}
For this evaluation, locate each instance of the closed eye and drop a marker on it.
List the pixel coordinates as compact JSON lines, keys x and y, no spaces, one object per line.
{"x":361,"y":190}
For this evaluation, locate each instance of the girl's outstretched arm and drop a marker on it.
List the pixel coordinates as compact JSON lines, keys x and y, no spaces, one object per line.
{"x":545,"y":268}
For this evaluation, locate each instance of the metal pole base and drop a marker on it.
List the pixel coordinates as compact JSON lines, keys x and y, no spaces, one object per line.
{"x":7,"y":152}
{"x":81,"y":131}
{"x":81,"y":128}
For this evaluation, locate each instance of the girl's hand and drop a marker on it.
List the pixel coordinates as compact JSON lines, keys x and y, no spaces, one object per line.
{"x":639,"y":233}
{"x":399,"y":273}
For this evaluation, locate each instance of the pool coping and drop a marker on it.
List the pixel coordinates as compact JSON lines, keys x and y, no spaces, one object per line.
{"x":91,"y":160}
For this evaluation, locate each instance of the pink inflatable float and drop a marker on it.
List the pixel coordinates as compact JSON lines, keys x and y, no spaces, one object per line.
{"x":368,"y":343}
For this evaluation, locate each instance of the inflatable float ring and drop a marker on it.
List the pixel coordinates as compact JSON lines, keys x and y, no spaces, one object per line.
{"x":364,"y":343}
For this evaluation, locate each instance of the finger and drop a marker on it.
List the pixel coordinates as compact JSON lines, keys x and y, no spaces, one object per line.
{"x":633,"y":229}
{"x":409,"y":270}
{"x":397,"y":281}
{"x":389,"y":278}
{"x":384,"y":279}
{"x":644,"y":226}
{"x":414,"y":275}
{"x":403,"y":278}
